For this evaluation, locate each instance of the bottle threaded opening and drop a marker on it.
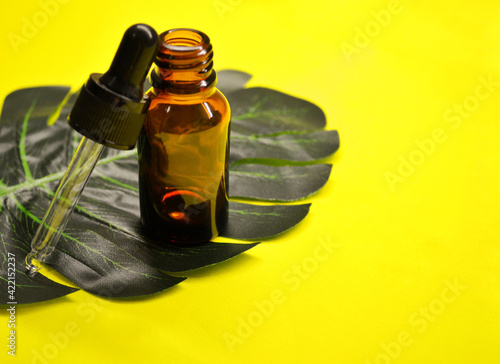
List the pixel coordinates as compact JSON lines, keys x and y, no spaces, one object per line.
{"x":179,"y":46}
{"x":184,"y":39}
{"x":184,"y":61}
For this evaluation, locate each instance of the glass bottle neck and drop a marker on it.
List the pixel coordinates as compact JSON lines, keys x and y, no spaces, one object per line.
{"x":184,"y":64}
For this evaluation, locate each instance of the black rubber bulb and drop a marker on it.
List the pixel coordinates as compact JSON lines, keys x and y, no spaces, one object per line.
{"x":132,"y":60}
{"x":110,"y":108}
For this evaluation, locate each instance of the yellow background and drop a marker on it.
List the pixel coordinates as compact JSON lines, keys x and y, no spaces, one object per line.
{"x":380,"y":293}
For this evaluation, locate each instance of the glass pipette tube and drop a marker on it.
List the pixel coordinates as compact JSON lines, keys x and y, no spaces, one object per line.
{"x":63,"y":203}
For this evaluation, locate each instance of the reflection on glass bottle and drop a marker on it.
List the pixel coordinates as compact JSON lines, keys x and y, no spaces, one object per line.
{"x":184,"y":145}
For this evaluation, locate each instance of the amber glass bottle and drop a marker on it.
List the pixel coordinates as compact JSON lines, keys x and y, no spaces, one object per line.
{"x":184,"y":145}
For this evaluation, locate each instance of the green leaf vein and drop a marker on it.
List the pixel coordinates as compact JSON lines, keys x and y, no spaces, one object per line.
{"x":22,"y":143}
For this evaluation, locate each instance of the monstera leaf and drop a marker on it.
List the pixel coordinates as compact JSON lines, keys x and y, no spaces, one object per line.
{"x":103,"y":250}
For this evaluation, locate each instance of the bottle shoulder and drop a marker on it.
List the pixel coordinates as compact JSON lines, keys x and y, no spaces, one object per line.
{"x":196,"y":114}
{"x":161,"y":97}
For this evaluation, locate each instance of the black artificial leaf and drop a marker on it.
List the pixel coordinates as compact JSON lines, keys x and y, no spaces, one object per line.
{"x":232,"y":80}
{"x":104,"y":249}
{"x":99,"y":249}
{"x":179,"y":259}
{"x":24,"y":133}
{"x":284,"y":183}
{"x":252,"y":222}
{"x":15,"y":285}
{"x":293,"y":147}
{"x":23,"y":127}
{"x":262,"y":111}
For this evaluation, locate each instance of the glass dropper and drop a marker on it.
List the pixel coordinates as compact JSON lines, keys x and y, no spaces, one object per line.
{"x":109,"y":111}
{"x":63,"y":203}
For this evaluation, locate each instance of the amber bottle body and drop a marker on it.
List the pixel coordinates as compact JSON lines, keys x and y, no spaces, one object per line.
{"x":184,"y":145}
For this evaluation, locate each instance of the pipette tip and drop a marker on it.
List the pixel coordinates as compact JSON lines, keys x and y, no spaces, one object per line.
{"x":31,"y":267}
